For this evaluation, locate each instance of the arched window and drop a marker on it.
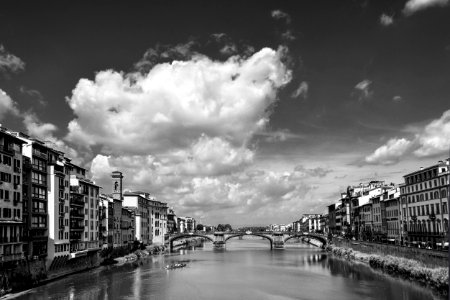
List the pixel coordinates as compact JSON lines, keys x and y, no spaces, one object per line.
{"x":444,"y":193}
{"x":421,"y":197}
{"x":436,"y":195}
{"x":445,"y":225}
{"x":438,"y":225}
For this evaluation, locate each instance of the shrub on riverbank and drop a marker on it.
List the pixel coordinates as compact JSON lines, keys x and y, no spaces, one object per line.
{"x":406,"y":268}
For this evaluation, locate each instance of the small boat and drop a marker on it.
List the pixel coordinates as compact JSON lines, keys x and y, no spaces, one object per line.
{"x":175,"y":266}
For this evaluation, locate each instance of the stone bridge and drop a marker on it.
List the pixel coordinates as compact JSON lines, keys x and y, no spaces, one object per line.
{"x":276,"y":239}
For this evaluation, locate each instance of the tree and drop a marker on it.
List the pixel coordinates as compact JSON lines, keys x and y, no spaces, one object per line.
{"x":199,"y":227}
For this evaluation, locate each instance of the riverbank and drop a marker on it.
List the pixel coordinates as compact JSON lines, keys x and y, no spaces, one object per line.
{"x":410,"y":269}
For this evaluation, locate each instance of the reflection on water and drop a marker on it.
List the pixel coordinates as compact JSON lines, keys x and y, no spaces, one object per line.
{"x":246,"y":269}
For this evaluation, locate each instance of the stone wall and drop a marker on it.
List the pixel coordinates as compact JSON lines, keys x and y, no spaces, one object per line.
{"x":431,"y":258}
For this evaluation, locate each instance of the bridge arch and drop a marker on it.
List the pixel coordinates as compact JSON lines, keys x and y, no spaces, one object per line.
{"x":187,"y":235}
{"x":253,"y":234}
{"x":321,"y":239}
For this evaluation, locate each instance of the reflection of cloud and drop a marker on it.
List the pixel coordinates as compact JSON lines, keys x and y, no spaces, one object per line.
{"x":413,"y":6}
{"x":10,"y":62}
{"x":386,"y":20}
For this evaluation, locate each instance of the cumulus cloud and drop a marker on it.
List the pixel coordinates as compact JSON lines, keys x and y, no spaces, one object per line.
{"x":435,"y":138}
{"x":301,"y":91}
{"x":413,"y":6}
{"x":386,"y":20}
{"x":46,"y":133}
{"x":362,"y":90}
{"x":9,"y":62}
{"x":390,"y":153}
{"x":431,"y":140}
{"x":7,"y":105}
{"x":174,"y":104}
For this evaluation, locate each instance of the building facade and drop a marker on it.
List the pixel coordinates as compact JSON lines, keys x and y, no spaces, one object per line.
{"x":11,"y":197}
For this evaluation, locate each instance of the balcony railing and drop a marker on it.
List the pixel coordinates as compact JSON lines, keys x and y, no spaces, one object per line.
{"x":12,"y":256}
{"x":10,"y":239}
{"x":41,"y":182}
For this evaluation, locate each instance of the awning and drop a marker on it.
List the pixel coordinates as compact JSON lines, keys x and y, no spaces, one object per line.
{"x":446,"y":244}
{"x":414,"y":242}
{"x":391,"y":240}
{"x":438,"y":244}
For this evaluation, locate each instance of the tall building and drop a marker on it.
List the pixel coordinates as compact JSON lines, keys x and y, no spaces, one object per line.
{"x":35,"y":200}
{"x":11,"y":195}
{"x":117,"y":199}
{"x":424,"y":205}
{"x":84,"y":216}
{"x":159,"y":221}
{"x":58,"y":243}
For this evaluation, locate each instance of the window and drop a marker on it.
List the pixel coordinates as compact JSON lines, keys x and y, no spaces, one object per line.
{"x":6,"y":160}
{"x":443,"y":193}
{"x":5,"y":177}
{"x":437,"y":208}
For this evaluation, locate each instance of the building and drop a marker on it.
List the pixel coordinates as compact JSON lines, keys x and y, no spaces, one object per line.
{"x":117,"y":195}
{"x":84,"y":213}
{"x":106,"y":219}
{"x":171,"y":221}
{"x":186,"y":224}
{"x":127,"y":226}
{"x":333,"y":229}
{"x":140,"y":203}
{"x":424,"y":205}
{"x":392,"y":204}
{"x":35,"y":198}
{"x":11,"y":196}
{"x":159,"y":221}
{"x":58,"y":243}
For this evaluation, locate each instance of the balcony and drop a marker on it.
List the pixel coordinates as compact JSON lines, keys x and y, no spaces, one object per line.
{"x":39,"y":182}
{"x":39,"y":211}
{"x":10,"y":239}
{"x":76,"y":228}
{"x":76,"y":215}
{"x":77,"y":202}
{"x":76,"y":190}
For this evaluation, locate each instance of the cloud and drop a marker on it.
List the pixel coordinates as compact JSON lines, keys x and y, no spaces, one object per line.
{"x":433,"y":139}
{"x":397,"y":99}
{"x":174,"y":104}
{"x":9,"y":62}
{"x":413,"y":6}
{"x":46,"y":133}
{"x":301,"y":91}
{"x":7,"y":105}
{"x":386,"y":20}
{"x":281,"y":15}
{"x":363,"y":91}
{"x":34,"y":94}
{"x":390,"y":153}
{"x":315,"y":172}
{"x":280,"y":135}
{"x":216,"y":197}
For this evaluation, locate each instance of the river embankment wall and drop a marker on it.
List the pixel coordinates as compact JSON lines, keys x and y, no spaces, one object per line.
{"x":435,"y":278}
{"x":430,"y":258}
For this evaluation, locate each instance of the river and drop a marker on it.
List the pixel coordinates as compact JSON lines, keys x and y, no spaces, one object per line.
{"x":247,"y":269}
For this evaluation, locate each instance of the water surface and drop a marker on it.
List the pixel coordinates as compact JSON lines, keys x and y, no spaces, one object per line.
{"x":247,"y":269}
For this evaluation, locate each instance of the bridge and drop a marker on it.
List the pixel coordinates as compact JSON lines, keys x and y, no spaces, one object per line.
{"x":219,"y":239}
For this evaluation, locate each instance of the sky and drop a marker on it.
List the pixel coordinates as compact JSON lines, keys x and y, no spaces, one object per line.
{"x":240,"y":112}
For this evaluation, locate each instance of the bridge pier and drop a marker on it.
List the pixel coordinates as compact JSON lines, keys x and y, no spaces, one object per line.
{"x":219,"y":240}
{"x":278,"y":240}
